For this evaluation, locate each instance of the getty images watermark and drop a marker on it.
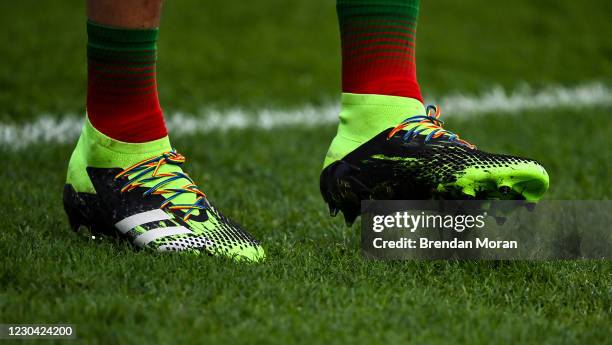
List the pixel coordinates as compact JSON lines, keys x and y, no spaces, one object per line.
{"x":508,"y":230}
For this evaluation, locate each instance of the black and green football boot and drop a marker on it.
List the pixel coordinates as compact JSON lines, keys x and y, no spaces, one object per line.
{"x":415,"y":159}
{"x":138,"y":191}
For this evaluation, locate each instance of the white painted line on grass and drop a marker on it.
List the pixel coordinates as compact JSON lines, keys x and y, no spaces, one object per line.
{"x":65,"y":129}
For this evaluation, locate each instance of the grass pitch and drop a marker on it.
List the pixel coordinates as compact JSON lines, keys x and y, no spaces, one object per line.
{"x":315,"y":287}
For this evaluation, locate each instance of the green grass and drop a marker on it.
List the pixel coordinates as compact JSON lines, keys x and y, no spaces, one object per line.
{"x":315,"y":287}
{"x":215,"y":54}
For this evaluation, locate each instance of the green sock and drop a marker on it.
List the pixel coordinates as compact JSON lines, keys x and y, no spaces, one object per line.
{"x":97,"y":150}
{"x":363,"y":116}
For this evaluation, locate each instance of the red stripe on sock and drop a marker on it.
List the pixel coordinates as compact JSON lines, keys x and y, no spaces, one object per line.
{"x":123,"y":105}
{"x":378,"y":54}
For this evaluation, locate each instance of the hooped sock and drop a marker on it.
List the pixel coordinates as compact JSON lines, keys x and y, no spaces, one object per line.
{"x":122,"y":100}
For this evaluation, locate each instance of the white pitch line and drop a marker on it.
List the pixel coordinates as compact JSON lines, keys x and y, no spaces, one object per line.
{"x":65,"y":129}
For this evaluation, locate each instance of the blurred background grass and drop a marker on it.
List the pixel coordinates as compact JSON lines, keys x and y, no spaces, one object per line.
{"x":315,"y":287}
{"x":286,"y":53}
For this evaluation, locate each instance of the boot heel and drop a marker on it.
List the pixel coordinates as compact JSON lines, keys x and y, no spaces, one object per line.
{"x":80,"y":208}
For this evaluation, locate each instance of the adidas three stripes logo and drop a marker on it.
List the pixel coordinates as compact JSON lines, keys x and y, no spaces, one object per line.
{"x":146,"y":237}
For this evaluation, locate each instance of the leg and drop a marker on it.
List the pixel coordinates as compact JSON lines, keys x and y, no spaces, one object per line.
{"x":124,"y":177}
{"x":388,"y":146}
{"x":133,"y":14}
{"x":378,"y":47}
{"x":122,"y":99}
{"x":379,"y":83}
